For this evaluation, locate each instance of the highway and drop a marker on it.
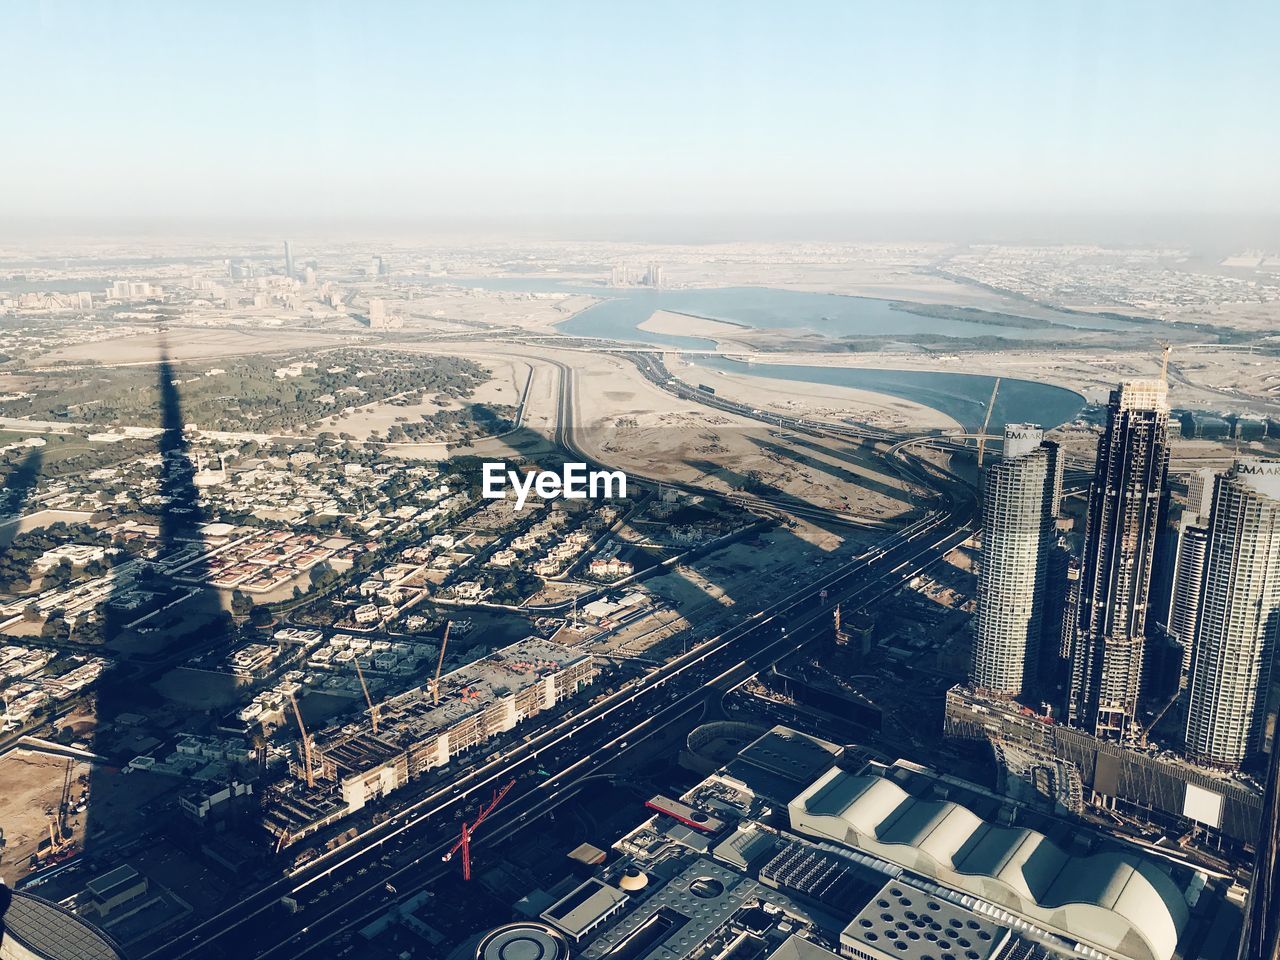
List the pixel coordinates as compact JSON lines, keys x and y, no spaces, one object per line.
{"x":392,"y":860}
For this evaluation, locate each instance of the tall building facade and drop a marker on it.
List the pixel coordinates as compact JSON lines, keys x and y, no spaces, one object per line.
{"x":1199,"y":494}
{"x":1183,"y":568}
{"x":1021,"y":495}
{"x":1126,"y":508}
{"x":1239,"y":617}
{"x":288,"y":259}
{"x":1188,"y":579}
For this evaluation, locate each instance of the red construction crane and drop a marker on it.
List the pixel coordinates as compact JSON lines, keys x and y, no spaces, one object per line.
{"x":463,"y":842}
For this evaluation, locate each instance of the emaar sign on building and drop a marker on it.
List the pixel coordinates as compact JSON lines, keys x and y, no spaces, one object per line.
{"x":573,"y":482}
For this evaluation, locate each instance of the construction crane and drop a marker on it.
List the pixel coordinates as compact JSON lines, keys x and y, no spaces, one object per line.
{"x":373,"y":710}
{"x":435,"y":684}
{"x":306,"y":743}
{"x":64,"y":806}
{"x":1164,"y":360}
{"x":59,"y":844}
{"x":986,"y":422}
{"x":463,"y":842}
{"x":60,"y":835}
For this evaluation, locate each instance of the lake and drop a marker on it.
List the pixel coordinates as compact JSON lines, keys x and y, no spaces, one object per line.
{"x":826,"y":314}
{"x":959,"y":395}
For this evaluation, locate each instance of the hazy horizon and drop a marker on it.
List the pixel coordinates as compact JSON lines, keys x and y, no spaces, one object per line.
{"x":1211,"y":235}
{"x":670,"y":121}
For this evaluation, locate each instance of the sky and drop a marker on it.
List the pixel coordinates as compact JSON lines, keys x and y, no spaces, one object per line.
{"x":599,"y":111}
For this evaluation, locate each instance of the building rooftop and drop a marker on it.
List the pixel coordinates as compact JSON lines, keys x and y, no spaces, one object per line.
{"x":907,"y":922}
{"x":1117,"y":901}
{"x":584,"y":907}
{"x":791,"y":754}
{"x":412,"y":717}
{"x":798,"y":948}
{"x":518,"y":941}
{"x":111,"y":883}
{"x":681,"y":916}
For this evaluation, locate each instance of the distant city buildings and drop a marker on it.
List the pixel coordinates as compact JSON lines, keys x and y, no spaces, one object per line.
{"x":1020,"y":506}
{"x":382,"y":318}
{"x":133,"y":290}
{"x":288,"y":259}
{"x":1239,"y":619}
{"x":622,"y":275}
{"x":1126,"y":502}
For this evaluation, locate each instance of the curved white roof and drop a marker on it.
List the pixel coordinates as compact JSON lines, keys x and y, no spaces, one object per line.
{"x":1118,"y":902}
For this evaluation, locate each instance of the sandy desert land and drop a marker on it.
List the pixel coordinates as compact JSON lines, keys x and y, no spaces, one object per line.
{"x":670,"y":323}
{"x":820,"y":401}
{"x":1210,"y":376}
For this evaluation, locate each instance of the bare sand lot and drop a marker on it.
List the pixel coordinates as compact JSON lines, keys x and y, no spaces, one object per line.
{"x":30,"y":785}
{"x":501,"y":308}
{"x":671,"y":323}
{"x":186,"y":343}
{"x":624,"y":420}
{"x":817,"y":400}
{"x":1204,"y":376}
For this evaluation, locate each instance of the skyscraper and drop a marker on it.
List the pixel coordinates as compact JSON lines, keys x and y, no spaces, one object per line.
{"x":1188,"y":578}
{"x":1239,"y":619}
{"x":1186,"y":571}
{"x":1126,"y":502}
{"x":288,"y":259}
{"x":1199,"y":493}
{"x":1021,"y":494}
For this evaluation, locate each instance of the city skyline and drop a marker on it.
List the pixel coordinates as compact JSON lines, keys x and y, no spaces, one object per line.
{"x":729,"y":479}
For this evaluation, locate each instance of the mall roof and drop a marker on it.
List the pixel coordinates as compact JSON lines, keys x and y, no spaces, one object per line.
{"x":1116,"y":901}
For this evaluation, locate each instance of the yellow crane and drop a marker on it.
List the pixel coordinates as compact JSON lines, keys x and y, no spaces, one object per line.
{"x":58,"y":841}
{"x":306,"y":743}
{"x":373,"y":710}
{"x":435,"y":684}
{"x":986,"y":422}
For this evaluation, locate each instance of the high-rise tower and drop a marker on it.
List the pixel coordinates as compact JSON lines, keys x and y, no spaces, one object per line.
{"x":1188,"y":579}
{"x":288,"y":259}
{"x":1020,"y":500}
{"x":1126,"y":502}
{"x":1239,"y":618}
{"x":1185,"y":566}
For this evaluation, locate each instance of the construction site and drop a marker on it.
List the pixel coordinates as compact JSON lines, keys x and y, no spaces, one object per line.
{"x":1217,"y":811}
{"x":338,"y":771}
